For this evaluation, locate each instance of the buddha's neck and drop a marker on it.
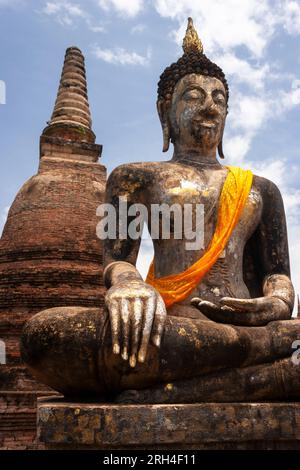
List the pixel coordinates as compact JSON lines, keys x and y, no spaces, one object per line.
{"x":196,"y":157}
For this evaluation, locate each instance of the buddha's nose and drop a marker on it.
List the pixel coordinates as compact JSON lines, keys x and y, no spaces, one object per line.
{"x":209,"y":104}
{"x":208,"y":108}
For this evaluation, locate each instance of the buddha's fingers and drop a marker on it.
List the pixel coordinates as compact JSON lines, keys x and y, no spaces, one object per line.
{"x":196,"y":301}
{"x":113,"y":308}
{"x":125,"y":325}
{"x":149,"y":311}
{"x":136,"y":328}
{"x":246,"y":305}
{"x":208,"y":307}
{"x":159,"y":321}
{"x":214,"y":312}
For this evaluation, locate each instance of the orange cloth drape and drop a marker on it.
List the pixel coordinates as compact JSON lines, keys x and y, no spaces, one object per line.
{"x":177,"y":287}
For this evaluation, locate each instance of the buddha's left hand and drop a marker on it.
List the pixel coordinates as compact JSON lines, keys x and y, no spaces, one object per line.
{"x":245,"y":312}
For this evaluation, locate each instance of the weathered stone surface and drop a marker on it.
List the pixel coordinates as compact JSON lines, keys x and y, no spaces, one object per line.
{"x":210,"y":425}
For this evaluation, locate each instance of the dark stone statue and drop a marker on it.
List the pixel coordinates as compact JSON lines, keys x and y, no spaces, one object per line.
{"x":231,"y":338}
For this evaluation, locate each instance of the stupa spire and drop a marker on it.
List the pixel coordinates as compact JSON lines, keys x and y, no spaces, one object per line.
{"x":71,"y":108}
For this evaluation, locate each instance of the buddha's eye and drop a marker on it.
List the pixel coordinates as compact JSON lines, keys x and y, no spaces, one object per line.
{"x":192,"y":94}
{"x":219,"y":98}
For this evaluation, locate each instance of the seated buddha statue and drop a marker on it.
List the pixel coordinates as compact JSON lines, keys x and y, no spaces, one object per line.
{"x":213,"y":323}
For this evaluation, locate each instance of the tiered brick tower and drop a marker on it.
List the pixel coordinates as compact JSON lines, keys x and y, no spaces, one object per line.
{"x":49,"y":252}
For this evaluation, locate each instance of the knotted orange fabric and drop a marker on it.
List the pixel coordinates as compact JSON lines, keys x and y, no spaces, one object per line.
{"x":177,"y":287}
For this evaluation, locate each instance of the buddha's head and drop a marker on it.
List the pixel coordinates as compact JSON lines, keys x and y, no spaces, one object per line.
{"x":193,"y":98}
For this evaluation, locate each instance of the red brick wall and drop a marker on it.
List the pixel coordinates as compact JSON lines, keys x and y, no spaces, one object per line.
{"x":49,"y":257}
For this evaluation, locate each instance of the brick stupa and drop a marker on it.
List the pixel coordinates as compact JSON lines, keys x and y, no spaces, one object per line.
{"x":49,"y":252}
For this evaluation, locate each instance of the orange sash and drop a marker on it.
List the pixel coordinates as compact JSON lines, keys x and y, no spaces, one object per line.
{"x":177,"y":287}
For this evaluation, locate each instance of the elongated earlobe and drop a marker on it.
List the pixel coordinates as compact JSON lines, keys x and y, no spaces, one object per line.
{"x":220,"y":146}
{"x":220,"y":149}
{"x":164,"y":125}
{"x":166,"y":137}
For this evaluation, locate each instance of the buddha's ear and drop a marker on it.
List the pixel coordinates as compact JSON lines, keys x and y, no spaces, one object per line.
{"x":220,"y":146}
{"x":163,"y":116}
{"x":220,"y":149}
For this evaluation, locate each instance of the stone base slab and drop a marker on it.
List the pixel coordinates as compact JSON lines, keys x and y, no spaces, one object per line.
{"x":65,"y":425}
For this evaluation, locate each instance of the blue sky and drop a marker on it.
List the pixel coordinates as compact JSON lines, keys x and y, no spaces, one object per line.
{"x":127,"y":44}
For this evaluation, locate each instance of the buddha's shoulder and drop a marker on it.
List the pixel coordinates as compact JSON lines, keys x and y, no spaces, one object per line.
{"x":266,"y":187}
{"x":264,"y":183}
{"x":137,"y":170}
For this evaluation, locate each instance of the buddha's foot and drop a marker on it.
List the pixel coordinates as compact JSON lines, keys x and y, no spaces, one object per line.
{"x":277,"y":380}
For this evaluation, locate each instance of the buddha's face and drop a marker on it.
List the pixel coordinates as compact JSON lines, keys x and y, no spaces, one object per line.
{"x":197,"y":112}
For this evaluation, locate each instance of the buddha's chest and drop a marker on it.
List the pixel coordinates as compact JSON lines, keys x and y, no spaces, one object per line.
{"x":195,"y":200}
{"x":187,"y":190}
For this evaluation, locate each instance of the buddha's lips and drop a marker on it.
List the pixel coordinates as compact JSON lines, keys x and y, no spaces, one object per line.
{"x":207,"y":124}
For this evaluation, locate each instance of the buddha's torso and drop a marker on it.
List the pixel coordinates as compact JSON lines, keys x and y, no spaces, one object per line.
{"x":174,"y":183}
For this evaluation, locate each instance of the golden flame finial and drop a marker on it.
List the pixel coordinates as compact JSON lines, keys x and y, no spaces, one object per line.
{"x":191,"y":41}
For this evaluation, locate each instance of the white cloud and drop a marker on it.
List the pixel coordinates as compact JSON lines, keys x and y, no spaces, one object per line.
{"x":96,"y":28}
{"x":124,"y":7}
{"x":224,"y":25}
{"x":237,"y":147}
{"x":274,"y":170}
{"x":139,"y":28}
{"x":64,"y":7}
{"x":227,"y":25}
{"x":68,"y":13}
{"x":65,"y":12}
{"x":249,"y":114}
{"x":290,"y":99}
{"x":120,"y":56}
{"x":243,"y":71}
{"x":52,"y":8}
{"x":291,"y":15}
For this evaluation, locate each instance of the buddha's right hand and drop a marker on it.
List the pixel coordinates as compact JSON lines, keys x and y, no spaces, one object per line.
{"x":137,"y":313}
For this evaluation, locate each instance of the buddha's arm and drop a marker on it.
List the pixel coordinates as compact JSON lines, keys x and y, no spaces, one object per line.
{"x":137,"y":312}
{"x":272,"y":252}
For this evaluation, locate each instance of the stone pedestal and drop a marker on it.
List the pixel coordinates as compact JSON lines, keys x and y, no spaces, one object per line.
{"x":65,"y":425}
